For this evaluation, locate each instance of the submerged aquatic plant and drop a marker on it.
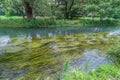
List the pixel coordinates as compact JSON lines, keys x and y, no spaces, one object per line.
{"x":40,"y":57}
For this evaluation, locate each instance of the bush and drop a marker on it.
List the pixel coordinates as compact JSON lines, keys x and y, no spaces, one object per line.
{"x":104,"y":72}
{"x":17,"y":21}
{"x":114,"y":54}
{"x":35,"y":23}
{"x":8,"y":14}
{"x":97,"y":22}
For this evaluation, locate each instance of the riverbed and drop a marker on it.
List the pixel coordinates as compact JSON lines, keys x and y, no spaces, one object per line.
{"x":30,"y":52}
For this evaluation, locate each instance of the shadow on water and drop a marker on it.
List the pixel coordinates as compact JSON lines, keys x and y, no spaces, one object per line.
{"x":55,"y":31}
{"x":24,"y":52}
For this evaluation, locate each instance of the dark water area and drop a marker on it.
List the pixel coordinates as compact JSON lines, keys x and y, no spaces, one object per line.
{"x":55,"y":31}
{"x":43,"y":51}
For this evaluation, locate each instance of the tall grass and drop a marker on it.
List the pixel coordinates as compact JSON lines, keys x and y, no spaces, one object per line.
{"x":105,"y":72}
{"x":52,"y":22}
{"x":109,"y":71}
{"x":97,"y":22}
{"x":114,"y":54}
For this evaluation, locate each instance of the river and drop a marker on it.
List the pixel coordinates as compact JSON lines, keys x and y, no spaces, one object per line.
{"x":43,"y":51}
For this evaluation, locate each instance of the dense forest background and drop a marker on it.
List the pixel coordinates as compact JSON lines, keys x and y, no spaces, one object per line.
{"x":65,"y":9}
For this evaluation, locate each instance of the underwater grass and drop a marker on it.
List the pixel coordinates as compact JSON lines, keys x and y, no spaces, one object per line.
{"x":38,"y":58}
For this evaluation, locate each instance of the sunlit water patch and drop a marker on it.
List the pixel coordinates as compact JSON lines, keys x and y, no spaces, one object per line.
{"x":89,"y":60}
{"x":114,"y":32}
{"x":4,"y":40}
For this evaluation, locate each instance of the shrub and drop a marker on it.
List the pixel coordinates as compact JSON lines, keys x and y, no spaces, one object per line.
{"x":104,"y":72}
{"x":114,"y":54}
{"x":97,"y":22}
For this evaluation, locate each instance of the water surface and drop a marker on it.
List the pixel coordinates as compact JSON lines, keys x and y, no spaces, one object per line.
{"x":28,"y":52}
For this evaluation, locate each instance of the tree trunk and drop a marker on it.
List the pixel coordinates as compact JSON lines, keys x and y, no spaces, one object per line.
{"x":93,"y":16}
{"x":68,"y":7}
{"x":66,"y":14}
{"x":101,"y":17}
{"x":71,"y":5}
{"x":28,"y":9}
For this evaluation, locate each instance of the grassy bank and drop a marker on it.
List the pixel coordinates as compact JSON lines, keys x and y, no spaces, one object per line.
{"x":109,"y":71}
{"x":51,"y":22}
{"x":105,"y":72}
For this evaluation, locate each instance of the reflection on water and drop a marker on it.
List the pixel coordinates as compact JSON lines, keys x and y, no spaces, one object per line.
{"x":51,"y":31}
{"x":38,"y":36}
{"x":91,"y":58}
{"x":27,"y":54}
{"x":113,"y":33}
{"x":29,"y":38}
{"x":4,"y":40}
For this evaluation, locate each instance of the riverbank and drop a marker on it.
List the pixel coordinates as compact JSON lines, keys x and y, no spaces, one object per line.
{"x":108,"y":71}
{"x":104,"y":72}
{"x":19,"y":22}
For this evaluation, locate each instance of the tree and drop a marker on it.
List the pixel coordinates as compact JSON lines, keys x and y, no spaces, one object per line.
{"x":6,"y":6}
{"x":104,"y":8}
{"x":114,"y":11}
{"x":92,"y":10}
{"x":43,"y":7}
{"x":66,"y":7}
{"x":18,"y":7}
{"x":28,"y":5}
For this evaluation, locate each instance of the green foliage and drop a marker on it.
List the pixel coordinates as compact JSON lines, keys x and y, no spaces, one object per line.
{"x":114,"y":54}
{"x":65,"y":9}
{"x":52,"y":22}
{"x":8,"y":14}
{"x":104,"y":72}
{"x":97,"y":22}
{"x":28,"y":23}
{"x":43,"y":8}
{"x":35,"y":23}
{"x":66,"y":65}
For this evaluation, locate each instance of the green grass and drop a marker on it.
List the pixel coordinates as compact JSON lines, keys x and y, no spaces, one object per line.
{"x":17,"y":21}
{"x":97,"y":22}
{"x":114,"y":54}
{"x":38,"y":22}
{"x":105,"y":72}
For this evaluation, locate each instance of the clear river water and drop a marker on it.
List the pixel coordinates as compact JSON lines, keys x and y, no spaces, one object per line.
{"x":43,"y":51}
